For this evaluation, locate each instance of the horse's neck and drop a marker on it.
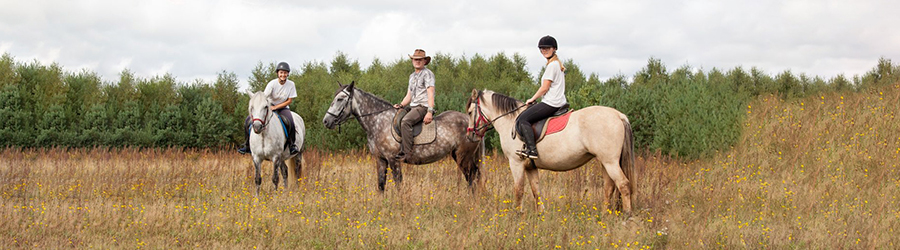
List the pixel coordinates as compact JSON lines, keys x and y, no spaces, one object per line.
{"x":273,"y":128}
{"x":505,"y":125}
{"x":372,"y":112}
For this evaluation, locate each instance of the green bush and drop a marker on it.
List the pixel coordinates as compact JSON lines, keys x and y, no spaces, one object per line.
{"x":686,"y":112}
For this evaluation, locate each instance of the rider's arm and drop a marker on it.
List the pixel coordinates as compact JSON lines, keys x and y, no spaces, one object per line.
{"x":545,"y":86}
{"x":430,"y":91}
{"x":283,"y":104}
{"x":407,"y":99}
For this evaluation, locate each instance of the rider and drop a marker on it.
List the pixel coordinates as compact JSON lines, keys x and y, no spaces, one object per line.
{"x":280,"y":93}
{"x":420,"y":101}
{"x":552,"y":91}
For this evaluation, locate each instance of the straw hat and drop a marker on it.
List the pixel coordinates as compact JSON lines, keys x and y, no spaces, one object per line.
{"x":419,"y":54}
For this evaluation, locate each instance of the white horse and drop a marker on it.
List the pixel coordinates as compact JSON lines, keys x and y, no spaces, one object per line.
{"x":268,"y":139}
{"x":592,"y":132}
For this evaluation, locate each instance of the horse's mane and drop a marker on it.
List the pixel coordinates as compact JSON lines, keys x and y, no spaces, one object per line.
{"x":358,"y":91}
{"x":504,"y":103}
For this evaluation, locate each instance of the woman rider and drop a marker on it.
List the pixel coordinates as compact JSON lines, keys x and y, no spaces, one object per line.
{"x":552,"y":94}
{"x":280,"y":93}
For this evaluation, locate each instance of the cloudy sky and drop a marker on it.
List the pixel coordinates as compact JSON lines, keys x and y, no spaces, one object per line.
{"x":198,"y":38}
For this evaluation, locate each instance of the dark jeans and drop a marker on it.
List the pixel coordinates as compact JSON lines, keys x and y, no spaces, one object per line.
{"x":531,"y":115}
{"x":415,"y":115}
{"x":288,"y":119}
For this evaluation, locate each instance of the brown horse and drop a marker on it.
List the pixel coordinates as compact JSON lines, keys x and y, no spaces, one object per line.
{"x":593,"y":132}
{"x":375,"y":116}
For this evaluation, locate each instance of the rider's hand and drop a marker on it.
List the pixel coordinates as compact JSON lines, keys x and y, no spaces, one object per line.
{"x":396,"y":106}
{"x":529,"y":102}
{"x":428,"y":118}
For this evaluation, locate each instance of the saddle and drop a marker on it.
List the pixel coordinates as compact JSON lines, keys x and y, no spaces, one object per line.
{"x":555,"y":123}
{"x":422,"y":133}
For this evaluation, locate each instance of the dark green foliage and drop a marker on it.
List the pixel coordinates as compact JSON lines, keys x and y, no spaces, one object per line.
{"x":686,"y":112}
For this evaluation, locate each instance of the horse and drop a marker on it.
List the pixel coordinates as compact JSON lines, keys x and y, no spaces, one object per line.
{"x":592,"y":132}
{"x":375,"y":115}
{"x":267,"y":142}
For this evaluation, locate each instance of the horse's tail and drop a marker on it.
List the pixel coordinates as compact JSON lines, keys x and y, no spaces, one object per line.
{"x":626,"y":160}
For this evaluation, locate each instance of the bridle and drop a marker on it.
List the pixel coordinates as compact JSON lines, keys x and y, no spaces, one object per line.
{"x":482,"y":125}
{"x":265,"y":120}
{"x":349,"y":103}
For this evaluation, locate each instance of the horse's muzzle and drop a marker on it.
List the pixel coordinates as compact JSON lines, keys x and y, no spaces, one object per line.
{"x":329,"y":123}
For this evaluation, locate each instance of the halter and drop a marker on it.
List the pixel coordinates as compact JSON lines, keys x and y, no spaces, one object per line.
{"x":485,"y":124}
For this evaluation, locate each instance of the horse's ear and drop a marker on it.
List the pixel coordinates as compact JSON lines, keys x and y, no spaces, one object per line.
{"x":474,"y":94}
{"x":351,"y":85}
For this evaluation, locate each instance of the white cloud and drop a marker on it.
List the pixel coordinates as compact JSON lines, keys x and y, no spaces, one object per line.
{"x":201,"y":38}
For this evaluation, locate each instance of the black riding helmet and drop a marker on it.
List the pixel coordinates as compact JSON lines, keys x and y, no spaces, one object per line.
{"x":283,"y":66}
{"x":547,"y":42}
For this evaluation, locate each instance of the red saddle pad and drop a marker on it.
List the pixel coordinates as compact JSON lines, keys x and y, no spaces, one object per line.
{"x":558,"y":123}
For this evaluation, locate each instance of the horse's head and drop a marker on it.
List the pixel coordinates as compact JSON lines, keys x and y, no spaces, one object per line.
{"x":341,"y":106}
{"x":259,"y":111}
{"x":478,"y":123}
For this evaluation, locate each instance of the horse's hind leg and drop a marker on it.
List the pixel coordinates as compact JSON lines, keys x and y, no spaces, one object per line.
{"x":298,"y":168}
{"x":609,"y":189}
{"x":284,"y":175}
{"x":276,"y":167}
{"x":616,"y":174}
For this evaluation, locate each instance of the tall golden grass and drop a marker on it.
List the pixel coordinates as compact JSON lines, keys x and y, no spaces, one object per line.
{"x":820,"y":172}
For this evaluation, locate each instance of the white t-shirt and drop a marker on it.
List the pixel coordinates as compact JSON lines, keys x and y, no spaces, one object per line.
{"x":556,"y":96}
{"x":277,"y":93}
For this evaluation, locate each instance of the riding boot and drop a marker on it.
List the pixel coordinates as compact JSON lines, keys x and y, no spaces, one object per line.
{"x":530,"y":149}
{"x":245,"y":148}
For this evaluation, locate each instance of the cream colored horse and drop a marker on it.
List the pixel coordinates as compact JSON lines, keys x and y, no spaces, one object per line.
{"x":592,"y":132}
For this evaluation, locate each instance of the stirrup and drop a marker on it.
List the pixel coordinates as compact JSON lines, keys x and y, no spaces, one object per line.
{"x":524,"y":153}
{"x":244,"y":150}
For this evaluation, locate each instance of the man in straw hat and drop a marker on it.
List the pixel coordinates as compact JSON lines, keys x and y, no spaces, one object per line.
{"x":419,"y":101}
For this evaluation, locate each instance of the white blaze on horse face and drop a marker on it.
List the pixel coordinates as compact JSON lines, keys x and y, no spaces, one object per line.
{"x":259,"y":110}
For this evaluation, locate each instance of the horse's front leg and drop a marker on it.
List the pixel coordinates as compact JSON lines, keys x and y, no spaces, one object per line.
{"x":518,"y":174}
{"x":258,"y":177}
{"x":535,"y":188}
{"x":381,"y":171}
{"x":397,"y":172}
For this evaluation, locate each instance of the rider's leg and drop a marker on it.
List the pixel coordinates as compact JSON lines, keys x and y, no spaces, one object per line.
{"x":531,"y":115}
{"x":288,"y":119}
{"x":245,"y":149}
{"x":415,"y":115}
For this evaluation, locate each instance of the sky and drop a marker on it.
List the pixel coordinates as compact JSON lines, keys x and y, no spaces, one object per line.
{"x":196,"y":39}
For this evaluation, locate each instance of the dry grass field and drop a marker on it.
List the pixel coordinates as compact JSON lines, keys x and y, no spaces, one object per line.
{"x":820,"y":172}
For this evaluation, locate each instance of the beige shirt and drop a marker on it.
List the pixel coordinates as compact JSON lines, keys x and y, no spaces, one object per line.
{"x":418,"y":86}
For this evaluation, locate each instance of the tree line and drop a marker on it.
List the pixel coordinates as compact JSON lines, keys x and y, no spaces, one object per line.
{"x":683,"y":112}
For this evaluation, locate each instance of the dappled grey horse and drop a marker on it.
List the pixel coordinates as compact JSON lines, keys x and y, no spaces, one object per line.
{"x":268,"y":139}
{"x":375,"y":116}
